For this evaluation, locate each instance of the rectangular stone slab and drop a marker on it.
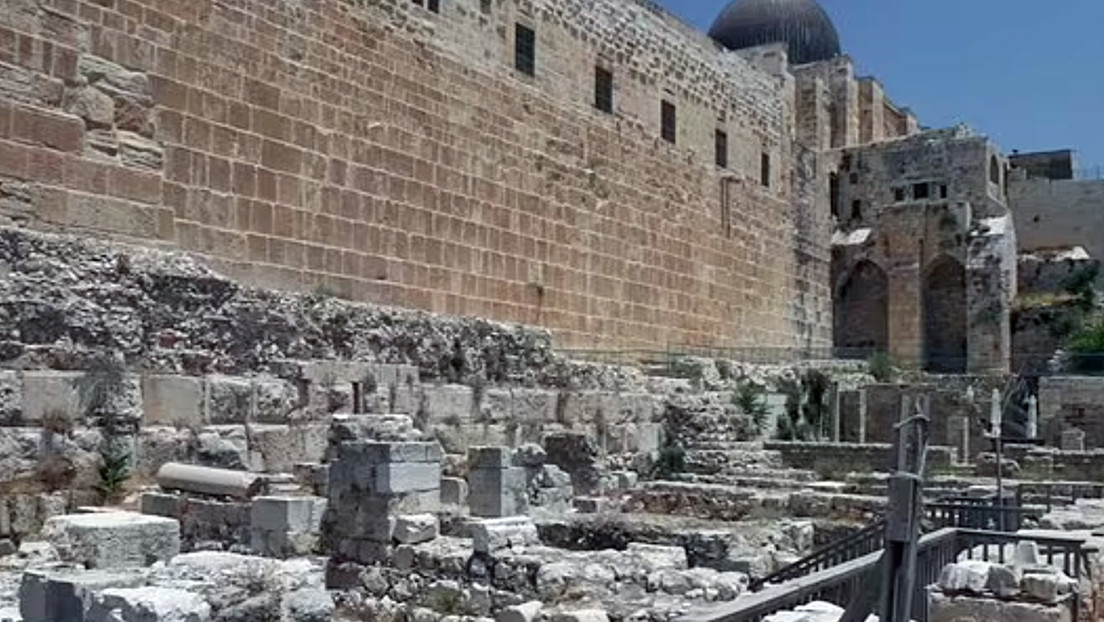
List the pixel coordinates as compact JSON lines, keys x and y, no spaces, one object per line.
{"x":113,"y":539}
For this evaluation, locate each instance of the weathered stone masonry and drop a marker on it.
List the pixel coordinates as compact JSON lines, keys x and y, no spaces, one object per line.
{"x":393,"y":155}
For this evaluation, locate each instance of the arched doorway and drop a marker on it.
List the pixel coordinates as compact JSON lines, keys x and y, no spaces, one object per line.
{"x":945,"y":317}
{"x":862,"y":311}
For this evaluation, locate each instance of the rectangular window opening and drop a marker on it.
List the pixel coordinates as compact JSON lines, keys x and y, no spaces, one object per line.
{"x":765,"y":169}
{"x":920,"y":191}
{"x":720,"y":148}
{"x":856,"y":210}
{"x":434,"y":5}
{"x":525,"y":49}
{"x":898,"y":194}
{"x":603,"y":90}
{"x":943,"y":191}
{"x":834,"y":194}
{"x":854,"y":178}
{"x":668,"y":122}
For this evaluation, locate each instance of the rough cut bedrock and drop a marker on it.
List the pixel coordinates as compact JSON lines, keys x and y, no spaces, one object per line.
{"x":63,"y":295}
{"x":394,"y":155}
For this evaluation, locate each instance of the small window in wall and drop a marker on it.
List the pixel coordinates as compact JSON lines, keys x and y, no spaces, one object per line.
{"x":845,"y":164}
{"x":720,"y":148}
{"x":898,"y":194}
{"x":854,"y":178}
{"x":765,"y":169}
{"x":668,"y":121}
{"x":920,"y":191}
{"x":603,"y":90}
{"x":432,"y":5}
{"x":834,"y":194}
{"x":525,"y":49}
{"x":943,"y":191}
{"x":856,"y":210}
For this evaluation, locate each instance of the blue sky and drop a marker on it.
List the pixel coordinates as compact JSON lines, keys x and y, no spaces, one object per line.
{"x":1028,"y":74}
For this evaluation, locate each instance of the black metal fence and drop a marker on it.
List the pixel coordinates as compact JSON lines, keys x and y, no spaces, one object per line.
{"x":841,"y":584}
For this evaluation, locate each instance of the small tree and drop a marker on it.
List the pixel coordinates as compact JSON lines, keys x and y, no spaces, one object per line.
{"x":751,"y":401}
{"x":882,"y":367}
{"x":1087,"y":346}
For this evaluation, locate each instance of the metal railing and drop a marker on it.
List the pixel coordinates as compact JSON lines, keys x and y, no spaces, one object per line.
{"x":842,"y":583}
{"x":864,"y":542}
{"x":1056,"y":494}
{"x":963,"y":513}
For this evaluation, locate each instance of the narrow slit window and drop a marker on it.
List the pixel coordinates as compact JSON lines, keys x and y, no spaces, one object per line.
{"x":898,"y":194}
{"x":856,"y":210}
{"x":834,"y":193}
{"x":525,"y":49}
{"x":603,"y":90}
{"x":720,"y":148}
{"x":943,"y":191}
{"x":765,"y":169}
{"x":668,"y":121}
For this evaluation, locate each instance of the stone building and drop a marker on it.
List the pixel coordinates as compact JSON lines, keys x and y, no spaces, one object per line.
{"x":595,"y":167}
{"x":924,"y":259}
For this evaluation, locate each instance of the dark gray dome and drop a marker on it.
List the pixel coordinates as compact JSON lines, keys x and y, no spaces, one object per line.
{"x":802,"y":25}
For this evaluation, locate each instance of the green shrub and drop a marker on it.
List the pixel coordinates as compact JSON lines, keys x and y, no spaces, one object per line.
{"x":882,"y":367}
{"x":114,"y":470}
{"x":671,"y":461}
{"x":751,"y":401}
{"x":1087,"y":347}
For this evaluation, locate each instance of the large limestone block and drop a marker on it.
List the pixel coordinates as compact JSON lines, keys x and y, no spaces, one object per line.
{"x":113,"y":539}
{"x":407,"y":477}
{"x":964,"y":608}
{"x":450,"y":403}
{"x":498,"y":492}
{"x":148,"y":604}
{"x":496,"y":534}
{"x":281,"y":447}
{"x":173,"y":400}
{"x":415,"y":528}
{"x":53,"y":595}
{"x":966,"y":576}
{"x":525,"y":612}
{"x":51,"y":394}
{"x":286,"y":526}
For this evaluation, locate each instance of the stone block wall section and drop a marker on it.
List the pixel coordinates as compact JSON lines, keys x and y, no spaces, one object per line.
{"x":393,"y":155}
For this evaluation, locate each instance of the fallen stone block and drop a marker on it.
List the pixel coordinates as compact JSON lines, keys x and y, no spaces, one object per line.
{"x":294,"y":514}
{"x":148,"y":604}
{"x":1046,"y":585}
{"x":967,"y":576}
{"x":496,"y":534}
{"x":113,"y":540}
{"x":525,"y":612}
{"x":416,"y":528}
{"x":53,"y":595}
{"x":581,"y":615}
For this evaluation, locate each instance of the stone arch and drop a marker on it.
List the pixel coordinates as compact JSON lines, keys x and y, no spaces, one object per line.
{"x":945,"y":327}
{"x":862,"y":309}
{"x":994,"y":170}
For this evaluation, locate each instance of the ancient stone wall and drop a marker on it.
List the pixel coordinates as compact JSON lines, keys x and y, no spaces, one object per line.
{"x":391,"y":154}
{"x":1071,"y":402}
{"x":1058,"y":214}
{"x":925,"y":216}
